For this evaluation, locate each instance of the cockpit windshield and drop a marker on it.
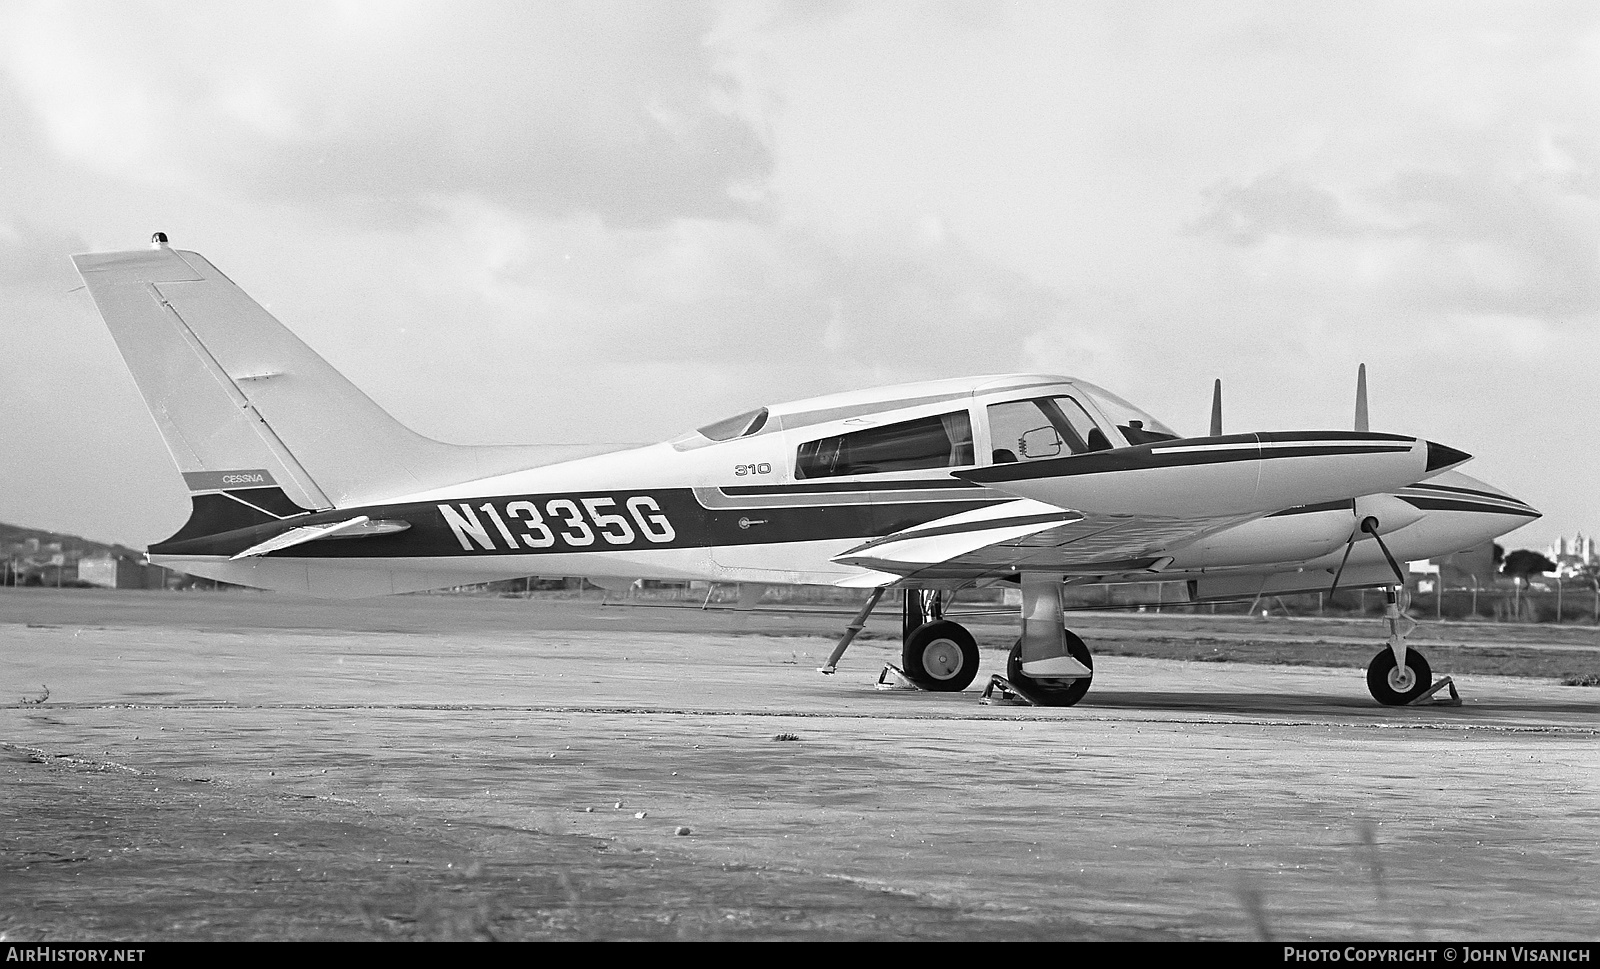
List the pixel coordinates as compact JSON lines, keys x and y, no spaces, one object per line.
{"x":1136,"y":426}
{"x":740,"y":425}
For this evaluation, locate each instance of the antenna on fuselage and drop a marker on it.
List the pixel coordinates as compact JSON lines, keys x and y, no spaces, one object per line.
{"x":1216,"y":408}
{"x":1361,"y":399}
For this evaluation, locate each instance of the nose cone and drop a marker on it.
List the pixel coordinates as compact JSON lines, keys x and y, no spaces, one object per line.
{"x":1441,"y":458}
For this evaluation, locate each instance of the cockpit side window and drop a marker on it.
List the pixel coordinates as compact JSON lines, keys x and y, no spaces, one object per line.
{"x":941,"y":441}
{"x":1042,"y":428}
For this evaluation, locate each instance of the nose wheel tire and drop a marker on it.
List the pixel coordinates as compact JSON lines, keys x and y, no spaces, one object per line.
{"x":1395,"y":687}
{"x":941,"y":656}
{"x":1050,"y":692}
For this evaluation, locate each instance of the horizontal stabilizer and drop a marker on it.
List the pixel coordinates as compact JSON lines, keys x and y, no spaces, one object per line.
{"x":359,"y":527}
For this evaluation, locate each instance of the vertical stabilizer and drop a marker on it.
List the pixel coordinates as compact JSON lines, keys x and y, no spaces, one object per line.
{"x":235,"y":393}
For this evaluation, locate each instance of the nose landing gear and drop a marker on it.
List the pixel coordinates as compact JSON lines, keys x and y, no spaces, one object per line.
{"x":1400,"y":675}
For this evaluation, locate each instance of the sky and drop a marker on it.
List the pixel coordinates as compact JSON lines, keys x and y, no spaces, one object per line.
{"x":564,"y":222}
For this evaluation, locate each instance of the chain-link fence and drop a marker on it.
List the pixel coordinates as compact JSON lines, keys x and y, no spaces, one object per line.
{"x":1553,"y":602}
{"x":1563,"y":602}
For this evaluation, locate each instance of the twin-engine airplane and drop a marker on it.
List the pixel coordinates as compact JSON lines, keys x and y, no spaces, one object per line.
{"x":300,"y":483}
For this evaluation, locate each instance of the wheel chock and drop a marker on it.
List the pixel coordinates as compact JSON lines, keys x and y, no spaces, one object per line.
{"x":1001,"y":690}
{"x":894,"y":678}
{"x":1453,"y":701}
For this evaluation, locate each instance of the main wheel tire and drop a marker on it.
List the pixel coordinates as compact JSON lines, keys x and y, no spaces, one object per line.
{"x":1052,"y":692}
{"x":941,"y":656}
{"x":1394,"y":687}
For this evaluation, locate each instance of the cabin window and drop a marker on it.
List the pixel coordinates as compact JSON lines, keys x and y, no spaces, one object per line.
{"x":944,"y":441}
{"x":1043,"y":428}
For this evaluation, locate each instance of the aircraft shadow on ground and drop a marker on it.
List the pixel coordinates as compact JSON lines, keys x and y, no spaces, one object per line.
{"x":1305,"y":704}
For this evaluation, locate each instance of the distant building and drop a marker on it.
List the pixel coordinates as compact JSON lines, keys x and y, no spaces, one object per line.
{"x":1572,"y":555}
{"x":121,"y":572}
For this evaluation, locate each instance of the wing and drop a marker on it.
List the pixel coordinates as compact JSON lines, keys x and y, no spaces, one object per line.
{"x":1134,"y":506}
{"x":1031,"y":536}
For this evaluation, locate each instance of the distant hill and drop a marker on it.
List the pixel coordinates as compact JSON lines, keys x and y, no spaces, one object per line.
{"x":18,"y":541}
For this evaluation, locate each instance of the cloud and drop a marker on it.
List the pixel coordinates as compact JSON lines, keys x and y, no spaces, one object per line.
{"x":1273,"y":204}
{"x":33,"y":258}
{"x":614,"y":109}
{"x":1426,"y":241}
{"x":807,"y":309}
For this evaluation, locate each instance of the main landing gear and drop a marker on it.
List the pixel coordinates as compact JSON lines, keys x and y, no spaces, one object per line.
{"x":1048,"y":666}
{"x":1045,"y":691}
{"x":936,"y":654}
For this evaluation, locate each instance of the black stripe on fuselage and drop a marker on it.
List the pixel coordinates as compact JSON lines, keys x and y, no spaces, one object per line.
{"x":845,"y":487}
{"x":590,"y":521}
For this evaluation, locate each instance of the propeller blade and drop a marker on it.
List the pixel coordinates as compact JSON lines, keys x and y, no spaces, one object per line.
{"x":1370,"y":526}
{"x":1348,"y":547}
{"x":1216,"y":409}
{"x":1361,"y":398}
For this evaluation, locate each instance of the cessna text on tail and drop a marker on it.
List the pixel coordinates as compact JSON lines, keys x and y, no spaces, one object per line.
{"x":300,"y":483}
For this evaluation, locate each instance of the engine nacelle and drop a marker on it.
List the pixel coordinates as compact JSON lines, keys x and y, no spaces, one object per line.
{"x":1292,"y":535}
